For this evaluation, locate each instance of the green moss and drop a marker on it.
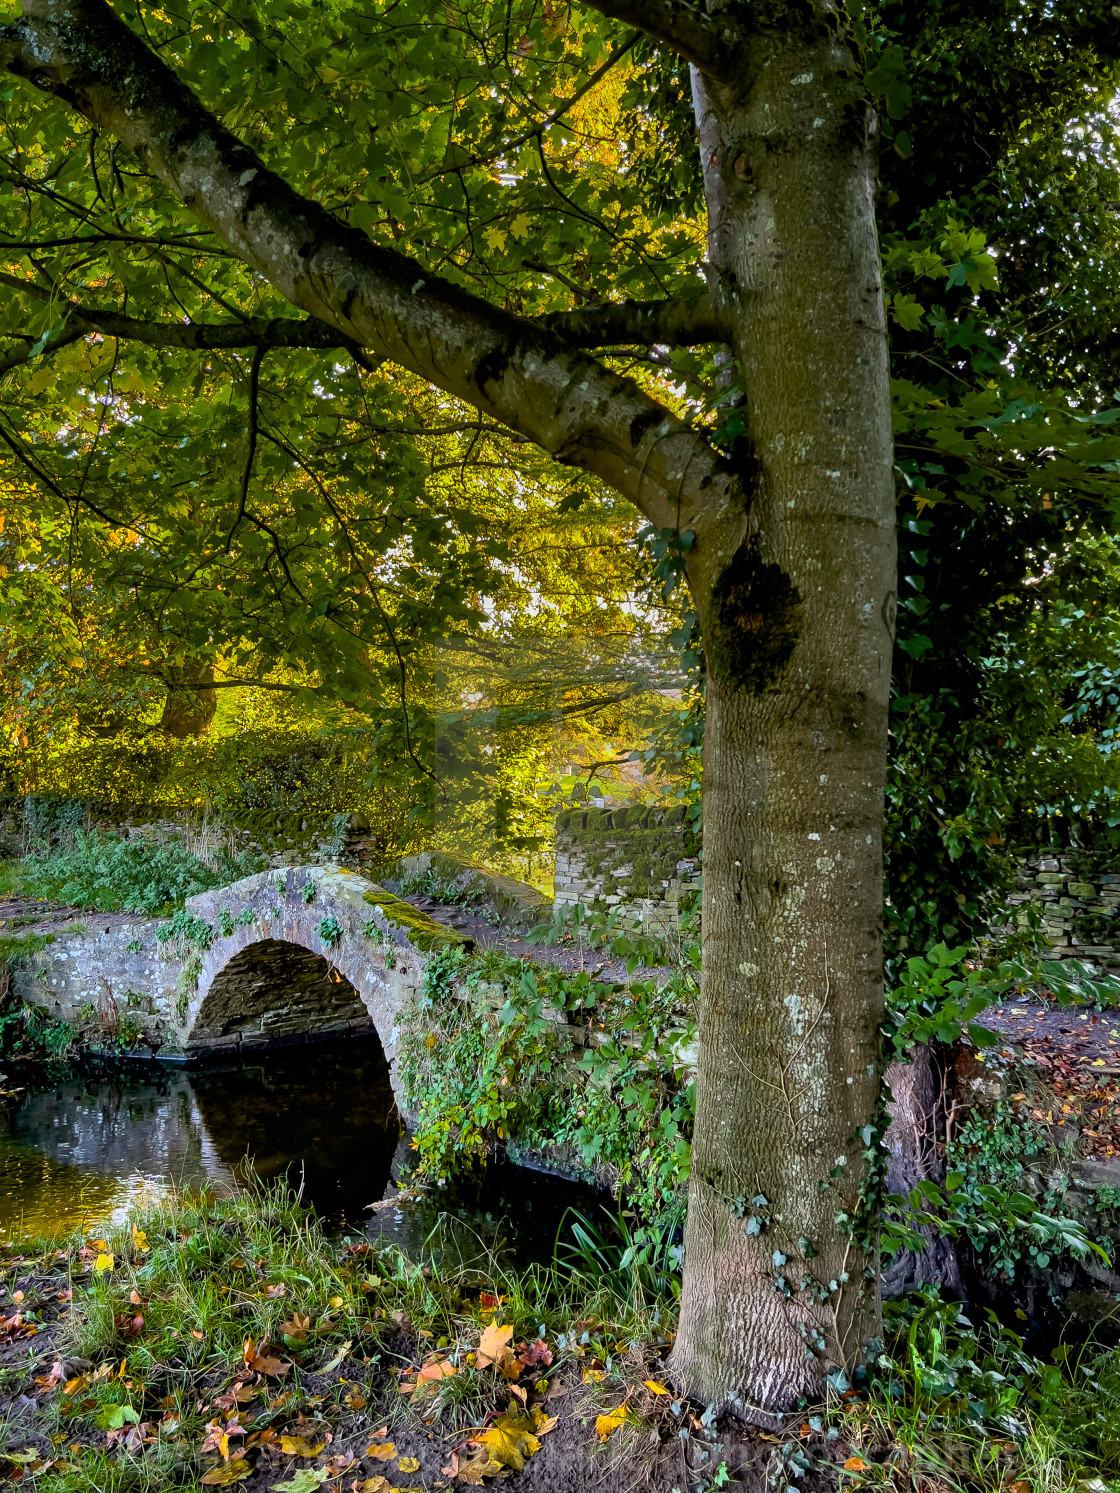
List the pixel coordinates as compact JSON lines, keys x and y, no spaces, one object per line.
{"x":423,"y":932}
{"x":649,"y":838}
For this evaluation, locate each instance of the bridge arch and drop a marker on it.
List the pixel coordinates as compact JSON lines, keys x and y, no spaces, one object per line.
{"x":297,"y":953}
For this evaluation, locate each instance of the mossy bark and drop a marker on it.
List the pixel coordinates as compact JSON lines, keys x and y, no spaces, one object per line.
{"x":798,"y":610}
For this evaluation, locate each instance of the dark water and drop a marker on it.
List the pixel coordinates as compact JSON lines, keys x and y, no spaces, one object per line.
{"x":80,"y":1147}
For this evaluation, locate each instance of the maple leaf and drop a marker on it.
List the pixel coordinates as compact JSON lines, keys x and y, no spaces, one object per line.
{"x":529,"y":1354}
{"x":382,"y":1452}
{"x":542,"y":1421}
{"x":374,"y":1485}
{"x":296,"y":1326}
{"x":510,"y":1440}
{"x":307,"y":1480}
{"x":494,"y":1348}
{"x":355,"y":1399}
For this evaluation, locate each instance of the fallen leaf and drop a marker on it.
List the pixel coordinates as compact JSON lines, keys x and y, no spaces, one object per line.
{"x":225,"y":1477}
{"x":556,"y":1390}
{"x":354,"y":1399}
{"x":510,"y":1440}
{"x":493,"y":1346}
{"x":103,"y":1262}
{"x":299,"y":1446}
{"x":855,"y":1464}
{"x":374,"y":1485}
{"x":654,"y":1387}
{"x":139,"y":1240}
{"x":384,"y":1452}
{"x":473,"y":1469}
{"x":296,"y":1326}
{"x":529,"y":1354}
{"x":409,"y":1464}
{"x":592,"y":1376}
{"x":607,"y":1425}
{"x":273,"y":1293}
{"x":307,"y":1480}
{"x":543,"y":1423}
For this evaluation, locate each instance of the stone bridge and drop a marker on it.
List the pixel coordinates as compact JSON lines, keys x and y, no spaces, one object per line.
{"x":276,"y":958}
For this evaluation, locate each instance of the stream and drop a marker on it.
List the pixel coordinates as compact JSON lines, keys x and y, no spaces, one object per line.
{"x":79,"y":1146}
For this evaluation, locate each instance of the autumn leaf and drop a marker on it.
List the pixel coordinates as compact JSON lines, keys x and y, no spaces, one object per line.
{"x":592,"y":1376}
{"x":225,"y":1477}
{"x":374,"y":1485}
{"x":536,"y":1352}
{"x":299,"y":1446}
{"x":855,"y":1464}
{"x":354,"y":1399}
{"x":307,"y":1480}
{"x":654,"y":1387}
{"x":607,"y":1425}
{"x":494,"y":1348}
{"x":296,"y":1326}
{"x":273,"y":1293}
{"x":139,"y":1240}
{"x":472,"y":1470}
{"x":409,"y":1464}
{"x":542,"y":1422}
{"x":510,"y":1440}
{"x":103,"y":1263}
{"x":383,"y":1452}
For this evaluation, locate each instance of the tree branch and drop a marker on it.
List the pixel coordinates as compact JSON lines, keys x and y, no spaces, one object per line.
{"x":679,"y":322}
{"x":529,"y":379}
{"x":714,"y":44}
{"x":194,"y":336}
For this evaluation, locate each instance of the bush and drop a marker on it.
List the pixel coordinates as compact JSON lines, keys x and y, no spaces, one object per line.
{"x":110,"y":875}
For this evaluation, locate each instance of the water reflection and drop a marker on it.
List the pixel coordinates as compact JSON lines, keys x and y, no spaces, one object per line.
{"x":86,"y":1146}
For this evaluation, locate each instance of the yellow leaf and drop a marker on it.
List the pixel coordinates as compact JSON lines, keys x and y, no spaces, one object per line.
{"x":335,"y":1302}
{"x":510,"y":1440}
{"x":298,"y":1446}
{"x":409,"y":1464}
{"x":383,"y":1452}
{"x":494,"y":236}
{"x":494,"y":1346}
{"x":232,"y":1472}
{"x":522,"y":226}
{"x":140,"y":1239}
{"x":103,"y":1262}
{"x":374,"y":1485}
{"x":657,"y":1389}
{"x":473,"y":1471}
{"x":607,"y":1425}
{"x":542,"y":1422}
{"x":592,"y":1376}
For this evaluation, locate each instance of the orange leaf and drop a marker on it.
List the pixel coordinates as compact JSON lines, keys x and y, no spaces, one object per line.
{"x":855,"y":1464}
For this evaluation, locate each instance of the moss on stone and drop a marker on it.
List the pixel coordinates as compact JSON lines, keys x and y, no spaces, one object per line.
{"x":424,"y":933}
{"x":650,"y":839}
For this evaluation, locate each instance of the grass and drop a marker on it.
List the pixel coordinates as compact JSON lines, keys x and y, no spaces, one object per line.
{"x":172,"y":1309}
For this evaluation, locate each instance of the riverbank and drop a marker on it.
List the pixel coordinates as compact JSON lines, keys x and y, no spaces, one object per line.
{"x":229,"y":1342}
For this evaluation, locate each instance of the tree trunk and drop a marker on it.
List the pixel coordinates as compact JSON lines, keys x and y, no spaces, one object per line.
{"x":798,"y":613}
{"x":191,"y":700}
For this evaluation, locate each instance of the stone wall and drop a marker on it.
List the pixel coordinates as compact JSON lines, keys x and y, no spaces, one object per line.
{"x":639,"y":860}
{"x":1077,"y":894}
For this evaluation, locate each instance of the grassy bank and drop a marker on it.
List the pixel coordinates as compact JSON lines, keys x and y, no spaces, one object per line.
{"x":224,"y":1342}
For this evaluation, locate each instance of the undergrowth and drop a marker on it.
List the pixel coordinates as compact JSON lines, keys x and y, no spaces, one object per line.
{"x":107,"y":874}
{"x":488,"y":1056}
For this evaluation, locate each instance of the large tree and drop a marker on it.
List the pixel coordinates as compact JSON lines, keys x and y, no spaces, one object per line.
{"x":237,"y":158}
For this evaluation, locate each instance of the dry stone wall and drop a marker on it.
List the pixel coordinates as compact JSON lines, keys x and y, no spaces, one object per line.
{"x":1077,"y":895}
{"x":639,"y":861}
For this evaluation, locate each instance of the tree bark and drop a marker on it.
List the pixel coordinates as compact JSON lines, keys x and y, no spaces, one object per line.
{"x":798,"y":626}
{"x":191,"y":700}
{"x":793,"y":575}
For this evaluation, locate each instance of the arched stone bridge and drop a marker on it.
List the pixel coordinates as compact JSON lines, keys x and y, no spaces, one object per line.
{"x":275,"y":958}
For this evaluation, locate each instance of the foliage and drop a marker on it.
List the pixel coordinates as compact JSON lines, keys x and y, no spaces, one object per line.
{"x":486,"y":1058}
{"x":109,"y":874}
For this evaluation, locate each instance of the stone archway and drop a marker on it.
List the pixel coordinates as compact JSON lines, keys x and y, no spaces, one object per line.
{"x":272,"y":991}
